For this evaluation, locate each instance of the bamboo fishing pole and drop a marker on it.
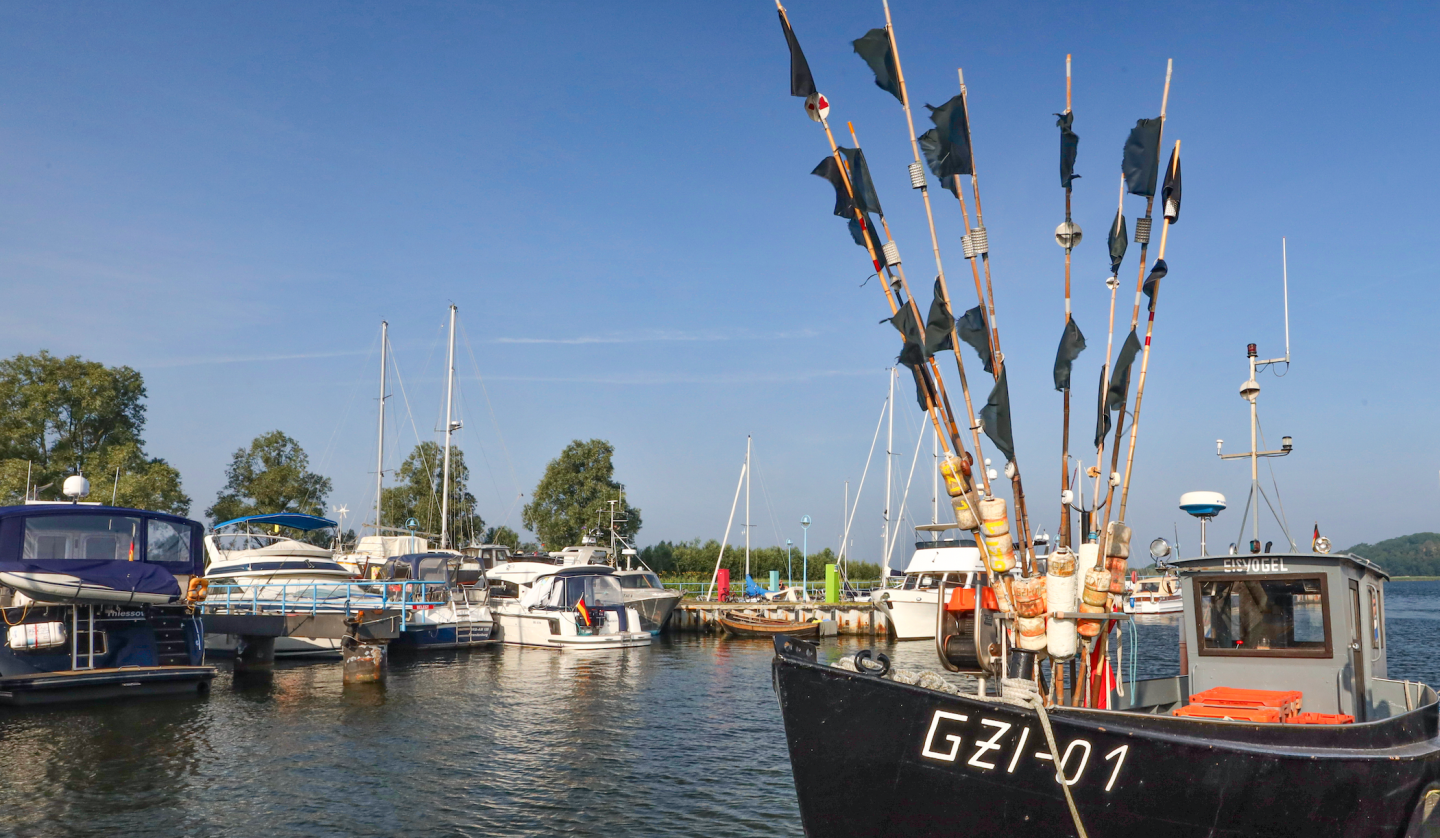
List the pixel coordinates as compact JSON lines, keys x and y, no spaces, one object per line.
{"x":875,"y":260}
{"x":1120,"y":419}
{"x":1113,"y":283}
{"x":1145,"y":355}
{"x":982,"y":253}
{"x":1064,"y":534}
{"x":916,"y":169}
{"x":1135,"y":314}
{"x":941,"y":393}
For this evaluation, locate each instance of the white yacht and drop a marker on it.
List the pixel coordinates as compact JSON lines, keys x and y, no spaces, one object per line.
{"x":1154,"y":595}
{"x":645,"y":593}
{"x":373,"y":550}
{"x":243,"y":563}
{"x":581,"y":606}
{"x":912,"y":607}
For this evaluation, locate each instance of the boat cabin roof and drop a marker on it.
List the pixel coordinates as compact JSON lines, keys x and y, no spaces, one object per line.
{"x":951,"y":556}
{"x":293,"y":520}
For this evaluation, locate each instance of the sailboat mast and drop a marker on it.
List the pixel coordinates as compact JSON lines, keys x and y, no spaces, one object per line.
{"x":889,"y":491}
{"x":380,"y":443}
{"x":747,"y":506}
{"x":1254,"y":451}
{"x":449,"y":429}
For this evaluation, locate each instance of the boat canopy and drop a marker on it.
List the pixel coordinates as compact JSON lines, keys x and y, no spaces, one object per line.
{"x":420,"y":567}
{"x":99,"y":541}
{"x":564,"y":588}
{"x":293,"y":520}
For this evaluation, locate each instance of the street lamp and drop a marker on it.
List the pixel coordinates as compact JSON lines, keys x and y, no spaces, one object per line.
{"x":805,"y":554}
{"x":789,"y":568}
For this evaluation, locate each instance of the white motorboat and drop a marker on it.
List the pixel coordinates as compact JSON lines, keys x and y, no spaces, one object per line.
{"x":582,"y":606}
{"x":372,"y":551}
{"x":649,"y":597}
{"x":242,"y":563}
{"x":1155,"y":595}
{"x":912,"y":607}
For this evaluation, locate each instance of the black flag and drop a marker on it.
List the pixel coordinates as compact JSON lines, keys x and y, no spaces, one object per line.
{"x":1157,"y":273}
{"x":1120,"y":377}
{"x":801,"y":82}
{"x":869,"y":228}
{"x":1118,"y":243}
{"x":874,"y":47}
{"x":947,"y":145}
{"x":904,"y":322}
{"x":1170,"y":192}
{"x":865,"y":195}
{"x":922,"y":383}
{"x":1069,"y":144}
{"x":830,"y":170}
{"x":1142,"y":157}
{"x":996,"y":416}
{"x":1102,"y":418}
{"x":938,"y":324}
{"x":974,"y":332}
{"x":1072,"y":343}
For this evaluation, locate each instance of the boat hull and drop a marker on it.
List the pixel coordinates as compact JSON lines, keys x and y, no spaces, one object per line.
{"x":911,"y":613}
{"x":552,"y":632}
{"x":327,"y":648}
{"x":445,"y":637}
{"x":737,"y":626}
{"x":874,"y":757}
{"x":104,"y":684}
{"x":1165,"y":605}
{"x":654,"y":607}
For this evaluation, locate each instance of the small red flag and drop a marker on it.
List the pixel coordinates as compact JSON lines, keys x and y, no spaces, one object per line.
{"x":1316,"y":537}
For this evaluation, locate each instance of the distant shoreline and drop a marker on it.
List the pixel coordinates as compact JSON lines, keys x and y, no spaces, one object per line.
{"x":1414,"y":578}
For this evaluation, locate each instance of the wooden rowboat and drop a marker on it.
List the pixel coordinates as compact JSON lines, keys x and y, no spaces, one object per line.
{"x":740,"y":625}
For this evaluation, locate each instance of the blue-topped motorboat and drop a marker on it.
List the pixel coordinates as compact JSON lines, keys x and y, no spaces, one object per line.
{"x":97,"y":603}
{"x":445,"y":600}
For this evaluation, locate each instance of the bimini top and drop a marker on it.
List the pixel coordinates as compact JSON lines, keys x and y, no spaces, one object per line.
{"x":293,"y":520}
{"x":98,"y":542}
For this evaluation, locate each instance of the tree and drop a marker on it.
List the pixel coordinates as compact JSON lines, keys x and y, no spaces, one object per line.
{"x":574,"y":495}
{"x":60,"y":415}
{"x":503,"y":535}
{"x":272,"y":475}
{"x":417,"y":494}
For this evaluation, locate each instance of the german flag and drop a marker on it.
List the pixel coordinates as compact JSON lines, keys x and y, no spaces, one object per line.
{"x":584,"y":612}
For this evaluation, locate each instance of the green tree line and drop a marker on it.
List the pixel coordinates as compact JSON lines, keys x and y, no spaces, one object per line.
{"x":697,"y":558}
{"x":1417,"y":554}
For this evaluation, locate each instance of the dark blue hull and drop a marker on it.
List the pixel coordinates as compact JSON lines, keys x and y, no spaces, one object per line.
{"x":442,"y":637}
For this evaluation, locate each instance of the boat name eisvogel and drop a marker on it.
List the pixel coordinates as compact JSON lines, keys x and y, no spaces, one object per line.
{"x":1255,"y":565}
{"x":990,"y":754}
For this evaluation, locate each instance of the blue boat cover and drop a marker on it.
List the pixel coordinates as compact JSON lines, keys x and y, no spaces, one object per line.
{"x":293,"y":520}
{"x":130,"y":577}
{"x":753,"y":589}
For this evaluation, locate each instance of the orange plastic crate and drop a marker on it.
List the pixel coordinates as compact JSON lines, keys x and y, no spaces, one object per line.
{"x":1321,"y":719}
{"x":1286,"y":701}
{"x":963,"y":600}
{"x":1269,"y":715}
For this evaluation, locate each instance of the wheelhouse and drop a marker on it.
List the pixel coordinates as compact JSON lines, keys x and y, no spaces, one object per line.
{"x":1311,"y":622}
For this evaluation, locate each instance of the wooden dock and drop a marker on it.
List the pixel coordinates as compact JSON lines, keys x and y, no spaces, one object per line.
{"x":851,"y":618}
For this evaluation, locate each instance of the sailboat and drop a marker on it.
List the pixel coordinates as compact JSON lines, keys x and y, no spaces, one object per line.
{"x":454,"y":609}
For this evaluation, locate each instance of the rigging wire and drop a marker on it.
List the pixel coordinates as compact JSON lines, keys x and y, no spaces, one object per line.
{"x":410,"y":414}
{"x":1284,"y":521}
{"x":324,"y":461}
{"x":494,"y":421}
{"x":850,"y":514}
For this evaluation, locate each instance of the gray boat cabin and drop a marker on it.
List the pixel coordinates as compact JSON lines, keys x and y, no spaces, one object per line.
{"x":1313,"y":622}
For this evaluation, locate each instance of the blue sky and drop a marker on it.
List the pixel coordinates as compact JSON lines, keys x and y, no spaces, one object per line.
{"x":230,"y":197}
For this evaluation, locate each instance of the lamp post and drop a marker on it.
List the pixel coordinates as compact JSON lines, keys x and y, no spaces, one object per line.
{"x":789,"y":568}
{"x":805,"y":554}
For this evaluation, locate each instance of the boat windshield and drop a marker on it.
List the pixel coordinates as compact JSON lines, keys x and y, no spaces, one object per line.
{"x":599,"y":591}
{"x":87,"y":537}
{"x":640,"y":580}
{"x":1280,"y":616}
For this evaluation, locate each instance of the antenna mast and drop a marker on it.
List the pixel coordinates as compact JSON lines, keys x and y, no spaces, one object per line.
{"x":380,"y":445}
{"x":449,"y":429}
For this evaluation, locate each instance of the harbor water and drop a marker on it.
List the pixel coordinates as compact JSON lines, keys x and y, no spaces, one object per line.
{"x":679,"y":739}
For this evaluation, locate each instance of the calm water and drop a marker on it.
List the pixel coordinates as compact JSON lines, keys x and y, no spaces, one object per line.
{"x":682,"y":738}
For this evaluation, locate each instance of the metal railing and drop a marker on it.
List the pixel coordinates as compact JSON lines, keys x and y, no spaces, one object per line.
{"x":345,"y":598}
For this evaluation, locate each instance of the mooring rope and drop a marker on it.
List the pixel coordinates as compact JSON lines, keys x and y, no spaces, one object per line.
{"x":1038,"y":704}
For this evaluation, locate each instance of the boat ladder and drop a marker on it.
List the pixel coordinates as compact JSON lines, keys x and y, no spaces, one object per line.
{"x":465,"y":628}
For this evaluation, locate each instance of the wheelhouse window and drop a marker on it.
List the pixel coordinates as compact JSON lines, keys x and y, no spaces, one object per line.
{"x":82,"y":537}
{"x":598,"y":591}
{"x":640,"y":580}
{"x":1281,"y":616}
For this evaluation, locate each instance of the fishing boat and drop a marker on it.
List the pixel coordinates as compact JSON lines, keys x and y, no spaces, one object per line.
{"x":245,"y":562}
{"x":97,"y":602}
{"x":744,"y":625}
{"x":911,"y":607}
{"x":575,"y":607}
